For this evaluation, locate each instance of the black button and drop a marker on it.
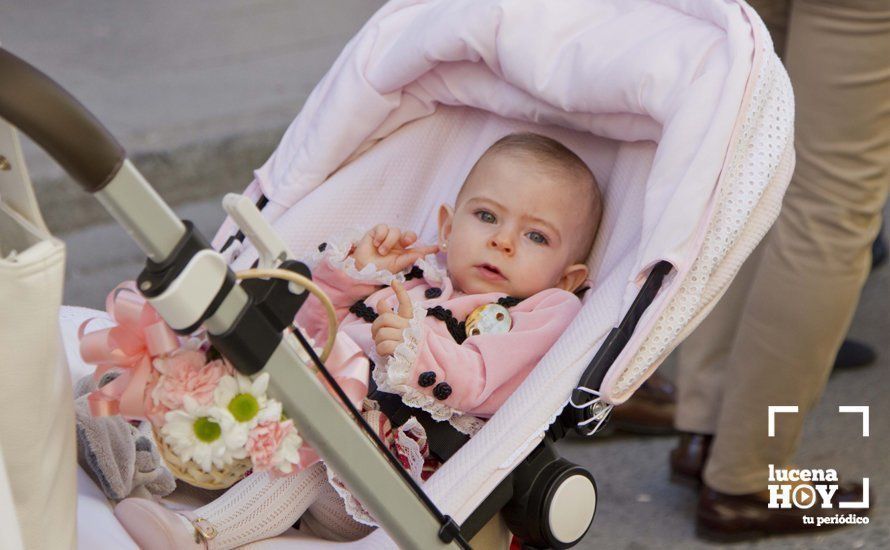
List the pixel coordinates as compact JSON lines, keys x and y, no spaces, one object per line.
{"x":426,"y":379}
{"x":432,"y":292}
{"x":322,"y":246}
{"x":442,"y":391}
{"x":415,"y":273}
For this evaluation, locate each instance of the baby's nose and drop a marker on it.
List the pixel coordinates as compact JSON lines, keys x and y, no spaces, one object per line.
{"x":502,"y":243}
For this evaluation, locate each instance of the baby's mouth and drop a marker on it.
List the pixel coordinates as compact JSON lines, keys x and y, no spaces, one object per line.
{"x":490,"y":272}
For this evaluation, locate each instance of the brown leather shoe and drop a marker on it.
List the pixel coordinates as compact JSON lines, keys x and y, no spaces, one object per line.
{"x":728,"y":518}
{"x":650,"y":410}
{"x":688,"y":459}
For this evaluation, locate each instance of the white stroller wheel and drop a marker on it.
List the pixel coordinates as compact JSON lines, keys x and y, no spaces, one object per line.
{"x":570,"y":507}
{"x":553,"y":502}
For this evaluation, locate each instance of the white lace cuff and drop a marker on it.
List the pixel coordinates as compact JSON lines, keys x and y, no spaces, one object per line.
{"x":337,"y":252}
{"x":392,"y":374}
{"x":354,"y":508}
{"x":466,"y":424}
{"x":432,"y":271}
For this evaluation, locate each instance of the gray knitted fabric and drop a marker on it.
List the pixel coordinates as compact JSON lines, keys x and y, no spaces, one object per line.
{"x":121,"y":459}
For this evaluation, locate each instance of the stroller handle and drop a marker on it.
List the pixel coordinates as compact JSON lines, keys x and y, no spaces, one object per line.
{"x":64,"y":128}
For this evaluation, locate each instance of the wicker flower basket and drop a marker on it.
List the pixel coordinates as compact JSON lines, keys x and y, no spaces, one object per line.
{"x":191,"y":473}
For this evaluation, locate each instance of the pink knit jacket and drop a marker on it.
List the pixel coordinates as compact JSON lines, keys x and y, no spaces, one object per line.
{"x":482,"y":371}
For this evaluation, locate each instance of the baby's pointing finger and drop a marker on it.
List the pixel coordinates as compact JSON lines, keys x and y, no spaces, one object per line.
{"x":406,"y":309}
{"x":424,"y":250}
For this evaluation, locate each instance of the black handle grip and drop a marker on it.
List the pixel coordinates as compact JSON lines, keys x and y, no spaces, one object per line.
{"x":39,"y":107}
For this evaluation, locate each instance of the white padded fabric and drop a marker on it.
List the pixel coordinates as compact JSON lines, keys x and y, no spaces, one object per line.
{"x":671,"y":71}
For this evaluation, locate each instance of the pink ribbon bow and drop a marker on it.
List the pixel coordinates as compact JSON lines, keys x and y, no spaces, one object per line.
{"x":139,"y":336}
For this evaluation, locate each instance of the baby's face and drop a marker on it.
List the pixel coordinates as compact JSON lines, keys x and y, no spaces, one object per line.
{"x":514,"y":229}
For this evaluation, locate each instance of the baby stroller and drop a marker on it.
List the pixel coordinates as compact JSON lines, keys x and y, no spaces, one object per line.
{"x":681,"y":110}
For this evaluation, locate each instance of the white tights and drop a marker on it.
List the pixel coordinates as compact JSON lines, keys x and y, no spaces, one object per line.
{"x":262,"y":506}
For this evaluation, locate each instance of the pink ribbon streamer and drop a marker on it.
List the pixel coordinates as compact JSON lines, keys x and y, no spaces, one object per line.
{"x":139,"y":336}
{"x":351,"y":369}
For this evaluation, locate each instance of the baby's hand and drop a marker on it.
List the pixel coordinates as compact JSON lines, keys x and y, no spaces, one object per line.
{"x":387,"y":328}
{"x":387,"y":248}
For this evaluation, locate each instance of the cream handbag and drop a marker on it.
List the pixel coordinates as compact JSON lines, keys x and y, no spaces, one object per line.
{"x":37,"y":420}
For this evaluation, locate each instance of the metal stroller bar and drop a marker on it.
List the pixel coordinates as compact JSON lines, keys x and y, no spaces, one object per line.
{"x":177,"y":257}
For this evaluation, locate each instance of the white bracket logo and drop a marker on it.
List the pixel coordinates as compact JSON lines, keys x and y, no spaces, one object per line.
{"x":786,"y":493}
{"x":773,"y":409}
{"x":861,"y":409}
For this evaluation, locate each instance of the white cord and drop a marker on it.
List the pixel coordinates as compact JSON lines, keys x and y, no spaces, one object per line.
{"x":598,"y":409}
{"x":311,"y":287}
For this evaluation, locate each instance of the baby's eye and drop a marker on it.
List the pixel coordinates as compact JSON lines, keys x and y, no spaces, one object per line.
{"x":485,"y":216}
{"x":537,"y":237}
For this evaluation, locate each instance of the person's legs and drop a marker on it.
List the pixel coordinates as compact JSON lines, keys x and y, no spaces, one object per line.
{"x":701,"y":359}
{"x":815,"y":261}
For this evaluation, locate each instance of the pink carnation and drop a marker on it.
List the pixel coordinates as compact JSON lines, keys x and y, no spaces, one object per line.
{"x":186,"y":373}
{"x":154,"y":411}
{"x":264,"y":441}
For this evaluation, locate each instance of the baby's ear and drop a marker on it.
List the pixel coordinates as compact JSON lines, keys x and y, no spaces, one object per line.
{"x":446,"y":214}
{"x":573,"y":277}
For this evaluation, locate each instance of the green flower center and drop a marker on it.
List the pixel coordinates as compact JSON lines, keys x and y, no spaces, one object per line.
{"x":207,"y":430}
{"x":244,"y":407}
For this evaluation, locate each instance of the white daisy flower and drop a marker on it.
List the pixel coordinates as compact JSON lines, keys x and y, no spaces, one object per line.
{"x":246,"y":399}
{"x":206,"y":434}
{"x":288,"y":453}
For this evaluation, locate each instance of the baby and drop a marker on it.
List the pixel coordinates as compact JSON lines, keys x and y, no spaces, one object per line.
{"x":454,"y":341}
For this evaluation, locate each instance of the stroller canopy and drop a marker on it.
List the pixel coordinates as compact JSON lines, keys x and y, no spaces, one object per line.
{"x":625,"y":70}
{"x":679,"y":107}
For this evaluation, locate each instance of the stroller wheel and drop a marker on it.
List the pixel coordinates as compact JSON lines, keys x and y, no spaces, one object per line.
{"x":554,"y":501}
{"x":570,"y":507}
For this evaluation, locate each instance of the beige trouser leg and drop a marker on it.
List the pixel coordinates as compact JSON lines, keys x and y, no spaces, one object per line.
{"x":773,"y":338}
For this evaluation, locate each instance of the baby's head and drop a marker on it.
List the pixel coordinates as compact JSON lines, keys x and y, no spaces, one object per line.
{"x":524,"y":220}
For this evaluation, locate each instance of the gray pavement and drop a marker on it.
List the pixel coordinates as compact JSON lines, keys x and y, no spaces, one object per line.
{"x":200,"y":92}
{"x":197,"y":92}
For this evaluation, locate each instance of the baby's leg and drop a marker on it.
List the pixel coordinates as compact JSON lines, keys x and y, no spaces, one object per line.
{"x":261,"y":506}
{"x":256,"y":508}
{"x":327,"y":518}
